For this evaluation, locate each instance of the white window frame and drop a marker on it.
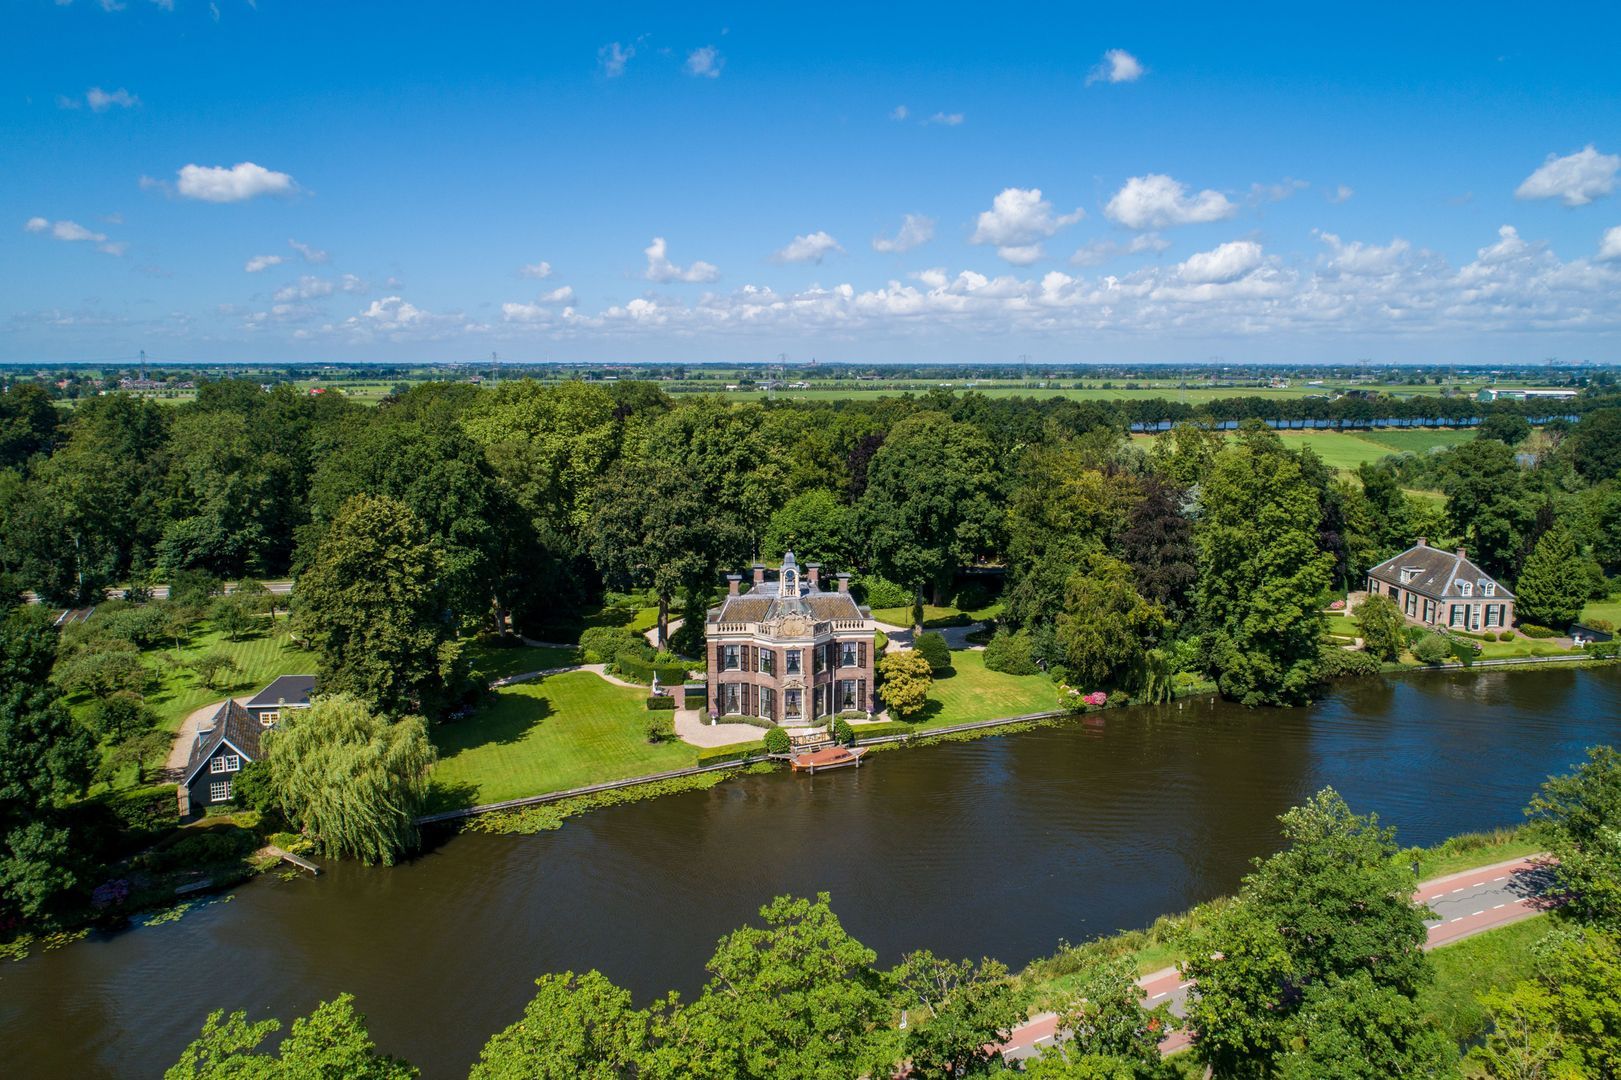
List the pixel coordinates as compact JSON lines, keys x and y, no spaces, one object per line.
{"x":846,"y":691}
{"x":219,"y":791}
{"x":1491,"y":615}
{"x":768,"y":661}
{"x":731,"y":657}
{"x":731,"y":699}
{"x":269,"y":717}
{"x":767,"y":701}
{"x":847,"y":654}
{"x":792,"y":662}
{"x":793,"y":704}
{"x":1488,"y":588}
{"x":1458,"y":615}
{"x":1466,"y":589}
{"x":225,"y":763}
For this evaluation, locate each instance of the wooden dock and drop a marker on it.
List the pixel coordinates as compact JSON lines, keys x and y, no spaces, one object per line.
{"x":288,"y":857}
{"x":829,"y":757}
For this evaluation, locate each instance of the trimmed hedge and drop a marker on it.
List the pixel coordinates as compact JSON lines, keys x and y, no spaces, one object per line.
{"x":776,"y":741}
{"x":1532,"y":630}
{"x":661,"y":703}
{"x":887,"y":727}
{"x":643,"y":671}
{"x":714,"y":755}
{"x":1338,"y":663}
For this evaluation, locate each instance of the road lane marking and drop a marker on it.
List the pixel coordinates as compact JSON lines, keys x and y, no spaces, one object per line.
{"x":1503,"y":877}
{"x":1156,"y":997}
{"x":1458,"y":919}
{"x":1499,"y":905}
{"x":1460,"y":888}
{"x":1482,"y":911}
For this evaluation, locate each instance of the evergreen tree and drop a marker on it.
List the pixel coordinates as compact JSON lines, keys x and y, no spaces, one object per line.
{"x":1553,"y":586}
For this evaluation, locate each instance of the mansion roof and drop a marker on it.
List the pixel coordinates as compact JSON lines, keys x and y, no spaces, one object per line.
{"x":1437,"y":574}
{"x":789,"y":595}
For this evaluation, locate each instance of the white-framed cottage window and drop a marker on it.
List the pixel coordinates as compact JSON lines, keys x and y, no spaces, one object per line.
{"x":768,"y":662}
{"x":1493,"y":614}
{"x":225,"y":763}
{"x":790,"y":661}
{"x":729,"y":657}
{"x":1488,"y":588}
{"x":1457,"y":615}
{"x":1408,"y":573}
{"x":847,"y":695}
{"x":219,"y":791}
{"x":1465,"y":589}
{"x":1412,"y":603}
{"x":847,"y":654}
{"x":269,"y":717}
{"x":793,"y":703}
{"x":730,"y":698}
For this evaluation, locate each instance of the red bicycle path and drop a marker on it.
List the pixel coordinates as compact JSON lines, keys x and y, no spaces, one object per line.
{"x":1493,"y":881}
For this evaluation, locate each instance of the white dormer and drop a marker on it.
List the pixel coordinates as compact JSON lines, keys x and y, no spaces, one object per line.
{"x":1465,"y":589}
{"x":1488,"y":588}
{"x":1408,"y":573}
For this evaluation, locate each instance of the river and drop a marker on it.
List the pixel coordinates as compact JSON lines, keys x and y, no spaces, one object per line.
{"x":998,"y":847}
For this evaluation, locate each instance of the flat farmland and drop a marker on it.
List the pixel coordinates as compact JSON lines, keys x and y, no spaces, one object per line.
{"x":1346,"y":450}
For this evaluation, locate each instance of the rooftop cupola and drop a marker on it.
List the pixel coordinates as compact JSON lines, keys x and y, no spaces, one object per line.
{"x":788,"y":577}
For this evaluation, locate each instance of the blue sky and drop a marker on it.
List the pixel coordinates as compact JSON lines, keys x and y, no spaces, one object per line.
{"x":281,"y":181}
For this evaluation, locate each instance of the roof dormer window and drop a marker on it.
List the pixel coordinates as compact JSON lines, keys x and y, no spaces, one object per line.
{"x":1465,"y":589}
{"x":1488,"y":588}
{"x":1408,"y":573}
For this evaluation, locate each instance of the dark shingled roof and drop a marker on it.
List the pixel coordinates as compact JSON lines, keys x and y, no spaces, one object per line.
{"x":231,"y":724}
{"x":1438,"y":574}
{"x":752,"y":607}
{"x":292,"y":689}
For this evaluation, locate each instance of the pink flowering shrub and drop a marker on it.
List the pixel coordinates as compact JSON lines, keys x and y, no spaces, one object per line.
{"x":1338,"y":605}
{"x":1096,"y":699}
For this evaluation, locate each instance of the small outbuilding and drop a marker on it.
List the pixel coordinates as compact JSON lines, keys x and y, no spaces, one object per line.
{"x":230,"y":741}
{"x":284,"y":694}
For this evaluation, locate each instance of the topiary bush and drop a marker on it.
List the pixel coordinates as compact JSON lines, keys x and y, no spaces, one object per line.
{"x":1011,"y":653}
{"x":661,"y":703}
{"x":1603,"y":626}
{"x":1506,"y":635}
{"x":776,"y":741}
{"x":1432,"y":649}
{"x":933,"y":648}
{"x":843,"y":732}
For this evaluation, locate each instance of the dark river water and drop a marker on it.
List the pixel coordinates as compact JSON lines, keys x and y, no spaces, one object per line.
{"x":999,"y":847}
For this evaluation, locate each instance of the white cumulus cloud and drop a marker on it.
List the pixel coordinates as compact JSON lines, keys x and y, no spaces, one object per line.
{"x":661,"y":269}
{"x":1018,"y":220}
{"x":1227,"y":262}
{"x":1117,"y":66}
{"x":1340,"y":194}
{"x":1575,"y":179}
{"x":1357,"y":257}
{"x":705,"y":62}
{"x":899,"y":112}
{"x":101,"y":100}
{"x":262,"y":262}
{"x":238,"y":183}
{"x":1610,"y":246}
{"x":946,"y":119}
{"x":915,"y":231}
{"x":539,"y":270}
{"x":307,"y":287}
{"x":72,"y":232}
{"x":1156,"y":201}
{"x":810,"y":248}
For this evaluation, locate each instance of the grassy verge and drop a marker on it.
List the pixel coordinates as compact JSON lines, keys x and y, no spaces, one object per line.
{"x":1496,"y":959}
{"x":559,"y":732}
{"x":1469,"y":850}
{"x":971,"y":692}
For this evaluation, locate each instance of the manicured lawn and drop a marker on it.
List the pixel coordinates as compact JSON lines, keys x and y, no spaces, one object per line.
{"x":1496,"y":959}
{"x":560,"y":732}
{"x":1523,"y":646}
{"x":937,"y":616}
{"x":1609,"y":610}
{"x":260,"y":659}
{"x":973,"y":693}
{"x":498,"y":663}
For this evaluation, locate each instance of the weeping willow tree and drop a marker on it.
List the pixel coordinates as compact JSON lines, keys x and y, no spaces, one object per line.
{"x":350,"y":778}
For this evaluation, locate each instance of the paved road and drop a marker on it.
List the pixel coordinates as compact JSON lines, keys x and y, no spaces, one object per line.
{"x":161,"y":592}
{"x":1465,"y":904}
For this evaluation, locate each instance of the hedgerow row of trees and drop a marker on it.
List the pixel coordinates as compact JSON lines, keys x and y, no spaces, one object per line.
{"x":451,"y":508}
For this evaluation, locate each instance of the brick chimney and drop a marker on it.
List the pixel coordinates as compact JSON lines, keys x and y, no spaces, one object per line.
{"x":1463,"y":553}
{"x":1423,"y":542}
{"x":813,"y":572}
{"x":731,"y":583}
{"x":844,"y":583}
{"x":759,"y":573}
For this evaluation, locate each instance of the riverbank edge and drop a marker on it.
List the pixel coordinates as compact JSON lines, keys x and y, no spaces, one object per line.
{"x":1154,"y":948}
{"x":1007,"y":725}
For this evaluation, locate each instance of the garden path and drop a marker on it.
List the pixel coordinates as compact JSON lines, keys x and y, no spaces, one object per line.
{"x":690,"y":726}
{"x":180,"y":749}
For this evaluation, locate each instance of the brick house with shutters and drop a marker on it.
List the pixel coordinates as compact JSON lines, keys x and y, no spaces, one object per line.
{"x":1443,"y":589}
{"x":789,"y":651}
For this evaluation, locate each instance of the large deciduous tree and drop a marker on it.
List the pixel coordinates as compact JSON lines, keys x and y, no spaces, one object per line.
{"x":817,"y":527}
{"x":1486,"y":503}
{"x":904,"y":680}
{"x":1158,"y":543}
{"x":575,"y":1026}
{"x":928,"y":506}
{"x":1384,"y":631}
{"x":1106,"y":626}
{"x":1578,"y":816}
{"x":331,"y":1042}
{"x":45,"y":758}
{"x":372,"y":605}
{"x":350,"y":778}
{"x":1262,"y":579}
{"x":1322,"y":935}
{"x":1597,"y":445}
